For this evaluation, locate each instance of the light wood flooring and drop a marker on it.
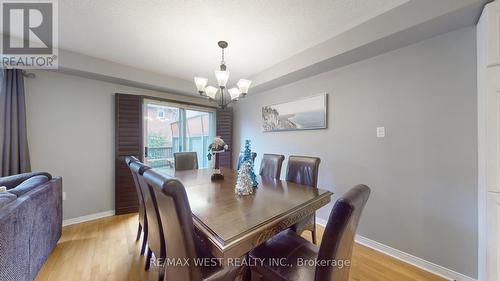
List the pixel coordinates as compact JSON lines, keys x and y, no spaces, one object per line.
{"x":105,"y":249}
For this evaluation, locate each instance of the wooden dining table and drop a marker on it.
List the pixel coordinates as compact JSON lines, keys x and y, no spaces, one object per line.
{"x":232,"y":225}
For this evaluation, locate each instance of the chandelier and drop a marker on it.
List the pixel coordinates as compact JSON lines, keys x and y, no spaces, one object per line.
{"x":221,"y":95}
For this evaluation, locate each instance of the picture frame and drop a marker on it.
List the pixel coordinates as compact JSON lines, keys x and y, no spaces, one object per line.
{"x":308,"y":113}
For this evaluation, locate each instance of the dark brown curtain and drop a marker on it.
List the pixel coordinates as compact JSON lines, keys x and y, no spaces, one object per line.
{"x":14,"y":158}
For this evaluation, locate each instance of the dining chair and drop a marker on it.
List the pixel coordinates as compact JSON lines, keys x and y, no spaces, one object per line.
{"x":270,"y":166}
{"x":185,"y":161}
{"x":156,"y":240}
{"x":181,"y":241}
{"x":333,"y":255}
{"x":143,"y":222}
{"x":254,"y":155}
{"x":304,"y":170}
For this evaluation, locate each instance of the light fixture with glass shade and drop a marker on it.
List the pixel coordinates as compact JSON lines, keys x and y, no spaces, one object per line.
{"x":211,"y":92}
{"x":221,"y":95}
{"x":201,"y":83}
{"x":234,"y":93}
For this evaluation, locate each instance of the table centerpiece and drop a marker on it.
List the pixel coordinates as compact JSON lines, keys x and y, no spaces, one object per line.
{"x":214,"y":149}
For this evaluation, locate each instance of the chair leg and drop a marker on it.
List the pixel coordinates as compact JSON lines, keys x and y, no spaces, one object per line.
{"x":247,"y":272}
{"x":313,"y":233}
{"x":148,"y":259}
{"x":255,"y":276}
{"x":144,"y":243}
{"x":161,"y":273}
{"x":139,"y":229}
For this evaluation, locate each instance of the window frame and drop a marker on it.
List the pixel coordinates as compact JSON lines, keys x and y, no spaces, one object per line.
{"x":183,"y":107}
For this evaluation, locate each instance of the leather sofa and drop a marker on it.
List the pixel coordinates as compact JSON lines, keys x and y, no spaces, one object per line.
{"x":30,"y":223}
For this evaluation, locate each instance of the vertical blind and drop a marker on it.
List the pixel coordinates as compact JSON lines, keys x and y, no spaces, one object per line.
{"x":224,"y":129}
{"x":128,"y":142}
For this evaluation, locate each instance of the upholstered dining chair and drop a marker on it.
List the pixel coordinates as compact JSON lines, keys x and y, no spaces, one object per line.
{"x":181,"y":241}
{"x":270,"y":166}
{"x":254,"y":155}
{"x":304,"y":170}
{"x":156,"y":240}
{"x":185,"y":161}
{"x":332,"y":255}
{"x":143,"y":222}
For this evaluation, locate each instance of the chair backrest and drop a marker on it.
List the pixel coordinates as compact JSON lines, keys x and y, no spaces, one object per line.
{"x":130,"y":159}
{"x":303,"y":170}
{"x":254,"y":155}
{"x":186,"y":161}
{"x":270,"y":166}
{"x":175,"y":213}
{"x":140,"y":197}
{"x":155,"y":230}
{"x":338,"y":238}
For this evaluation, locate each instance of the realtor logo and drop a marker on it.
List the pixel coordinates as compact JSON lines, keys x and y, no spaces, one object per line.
{"x":29,"y":34}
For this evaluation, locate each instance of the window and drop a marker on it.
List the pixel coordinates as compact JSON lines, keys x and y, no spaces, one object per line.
{"x":160,"y":114}
{"x":200,"y":131}
{"x":171,"y":128}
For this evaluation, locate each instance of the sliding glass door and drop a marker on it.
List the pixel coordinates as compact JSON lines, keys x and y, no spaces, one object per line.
{"x":200,"y":130}
{"x":170,"y":128}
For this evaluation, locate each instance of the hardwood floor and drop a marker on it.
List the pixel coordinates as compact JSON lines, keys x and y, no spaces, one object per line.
{"x":106,"y":249}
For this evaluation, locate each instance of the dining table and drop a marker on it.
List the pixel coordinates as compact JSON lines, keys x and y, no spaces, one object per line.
{"x":231,"y":225}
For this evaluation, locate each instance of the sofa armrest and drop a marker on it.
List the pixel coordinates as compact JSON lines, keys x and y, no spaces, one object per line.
{"x":45,"y":204}
{"x":15,"y":180}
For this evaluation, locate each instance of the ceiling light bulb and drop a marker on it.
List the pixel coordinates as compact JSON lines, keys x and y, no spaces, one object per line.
{"x":234,"y":93}
{"x":222,"y":76}
{"x":201,"y":83}
{"x":243,"y":85}
{"x":211,"y":91}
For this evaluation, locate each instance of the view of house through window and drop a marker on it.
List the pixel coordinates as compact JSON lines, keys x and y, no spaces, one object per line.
{"x":171,"y":128}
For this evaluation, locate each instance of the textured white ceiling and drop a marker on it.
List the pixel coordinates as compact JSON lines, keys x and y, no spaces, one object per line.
{"x":179,"y":37}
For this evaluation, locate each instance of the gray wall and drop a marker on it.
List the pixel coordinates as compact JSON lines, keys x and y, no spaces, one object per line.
{"x":423,"y":173}
{"x":71,"y":134}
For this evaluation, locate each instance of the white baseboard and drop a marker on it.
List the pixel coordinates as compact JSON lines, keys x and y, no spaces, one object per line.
{"x":88,"y":217}
{"x":408,"y":258}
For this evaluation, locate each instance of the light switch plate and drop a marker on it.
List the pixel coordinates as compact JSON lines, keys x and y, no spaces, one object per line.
{"x":380,"y":132}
